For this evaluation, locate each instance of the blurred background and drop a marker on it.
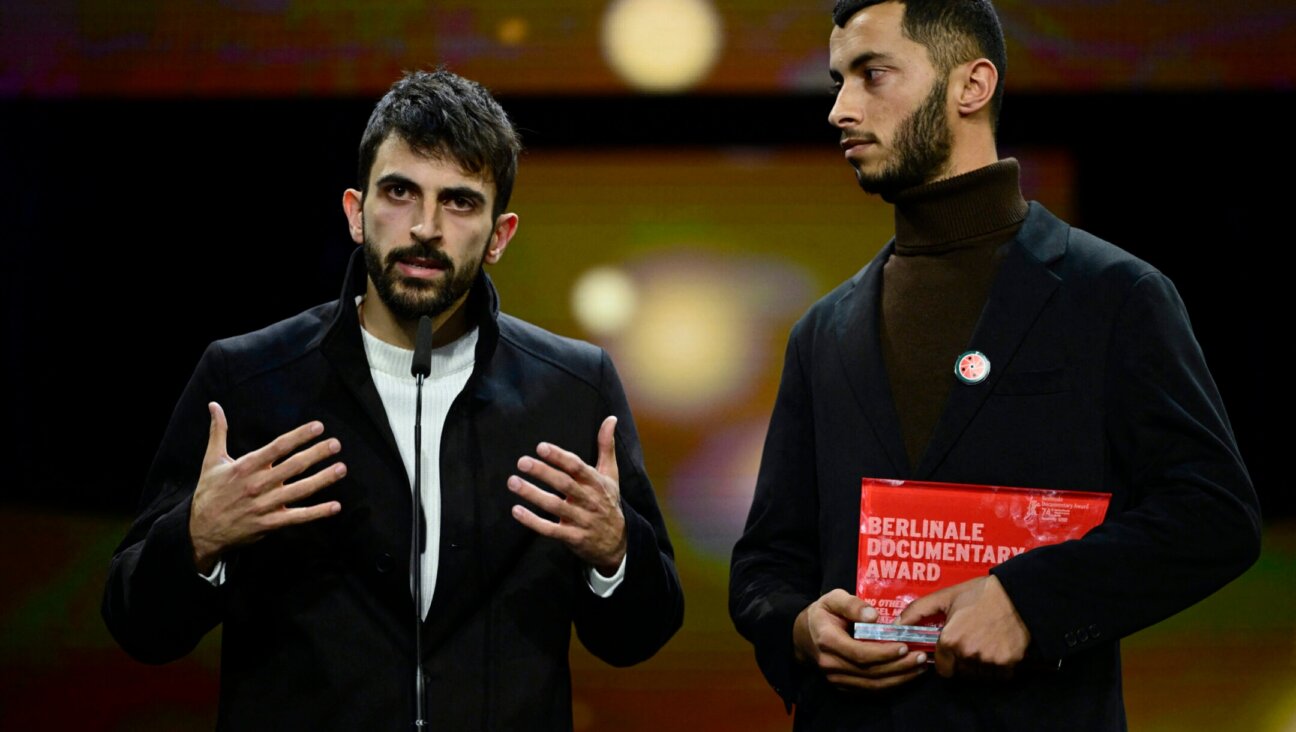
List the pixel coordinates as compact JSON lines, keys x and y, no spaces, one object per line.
{"x":171,"y":173}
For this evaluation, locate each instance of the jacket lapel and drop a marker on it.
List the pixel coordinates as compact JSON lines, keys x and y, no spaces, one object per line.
{"x":382,"y":511}
{"x":859,"y":342}
{"x":1019,"y":293}
{"x":476,"y":526}
{"x":343,"y":346}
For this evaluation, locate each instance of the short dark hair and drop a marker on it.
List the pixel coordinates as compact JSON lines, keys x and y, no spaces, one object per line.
{"x":439,"y":113}
{"x":952,"y":31}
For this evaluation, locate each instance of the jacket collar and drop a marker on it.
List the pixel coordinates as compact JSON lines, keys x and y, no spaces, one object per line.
{"x":1019,"y":292}
{"x":343,"y":345}
{"x":1021,"y":289}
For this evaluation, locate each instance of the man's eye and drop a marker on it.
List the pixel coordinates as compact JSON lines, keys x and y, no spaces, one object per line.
{"x":872,"y":75}
{"x":398,"y":191}
{"x":461,"y":204}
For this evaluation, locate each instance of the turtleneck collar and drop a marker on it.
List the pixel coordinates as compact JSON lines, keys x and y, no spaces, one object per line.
{"x":454,"y":356}
{"x":960,"y":211}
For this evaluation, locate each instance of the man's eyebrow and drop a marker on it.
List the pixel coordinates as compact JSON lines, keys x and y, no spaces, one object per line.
{"x":866,"y":57}
{"x":396,"y":179}
{"x":462,"y":192}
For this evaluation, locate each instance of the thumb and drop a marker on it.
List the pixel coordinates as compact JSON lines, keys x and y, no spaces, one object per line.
{"x":607,"y":462}
{"x":845,"y":605}
{"x":937,"y":603}
{"x":216,"y":433}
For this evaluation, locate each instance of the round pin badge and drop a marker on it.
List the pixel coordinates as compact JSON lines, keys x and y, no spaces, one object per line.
{"x":972,"y":367}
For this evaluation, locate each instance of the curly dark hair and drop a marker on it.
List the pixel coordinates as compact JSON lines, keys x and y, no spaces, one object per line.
{"x":952,"y":31}
{"x":440,"y":113}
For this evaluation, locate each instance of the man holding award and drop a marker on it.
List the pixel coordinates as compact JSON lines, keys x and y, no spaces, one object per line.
{"x":989,"y":344}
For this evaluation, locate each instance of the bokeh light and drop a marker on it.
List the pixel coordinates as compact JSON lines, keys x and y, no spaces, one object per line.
{"x":604,"y":300}
{"x":661,"y":45}
{"x":701,"y":327}
{"x":513,"y":30}
{"x":688,"y":351}
{"x":712,"y":490}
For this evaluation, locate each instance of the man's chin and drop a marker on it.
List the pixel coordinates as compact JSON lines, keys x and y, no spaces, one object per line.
{"x":416,"y":286}
{"x":409,"y":301}
{"x":877,"y":186}
{"x":413,"y":308}
{"x":887,"y":185}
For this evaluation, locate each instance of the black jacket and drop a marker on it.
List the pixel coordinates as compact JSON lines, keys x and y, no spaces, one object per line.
{"x":1097,"y":383}
{"x":318,"y":618}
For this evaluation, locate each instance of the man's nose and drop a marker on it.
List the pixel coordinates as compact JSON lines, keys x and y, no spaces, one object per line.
{"x":427,"y":225}
{"x":845,"y":112}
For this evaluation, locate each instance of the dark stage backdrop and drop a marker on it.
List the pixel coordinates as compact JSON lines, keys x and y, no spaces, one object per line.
{"x":140,"y":230}
{"x":330,"y":47}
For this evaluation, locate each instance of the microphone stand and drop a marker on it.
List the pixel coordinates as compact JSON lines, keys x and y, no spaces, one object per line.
{"x":420,"y":369}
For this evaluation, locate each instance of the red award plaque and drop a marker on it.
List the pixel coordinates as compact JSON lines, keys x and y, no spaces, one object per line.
{"x":918,"y":537}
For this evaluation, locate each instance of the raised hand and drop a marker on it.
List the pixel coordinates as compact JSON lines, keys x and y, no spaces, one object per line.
{"x":239,"y":501}
{"x":588,"y":509}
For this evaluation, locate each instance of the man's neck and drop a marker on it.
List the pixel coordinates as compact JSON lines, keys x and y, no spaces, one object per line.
{"x":962,"y":210}
{"x":967,"y":158}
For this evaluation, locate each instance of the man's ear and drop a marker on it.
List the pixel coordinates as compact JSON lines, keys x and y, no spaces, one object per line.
{"x":505,"y":227}
{"x":974,"y":83}
{"x":353,"y":206}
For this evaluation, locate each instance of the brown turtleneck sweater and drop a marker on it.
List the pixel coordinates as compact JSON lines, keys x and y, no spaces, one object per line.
{"x":949,"y":237}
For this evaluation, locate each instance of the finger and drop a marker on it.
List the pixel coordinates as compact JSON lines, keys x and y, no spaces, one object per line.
{"x":572,"y":489}
{"x":542,"y":499}
{"x":851,"y":681}
{"x":861,"y":653}
{"x":875,"y":661}
{"x":926,"y":606}
{"x":845,"y":605}
{"x":217,"y":431}
{"x":945,"y":661}
{"x":284,"y":444}
{"x":607,"y":462}
{"x":292,"y":516}
{"x":542,"y":527}
{"x":900,"y":664}
{"x":568,"y":462}
{"x":297,"y":490}
{"x":833,"y":637}
{"x":298,"y":463}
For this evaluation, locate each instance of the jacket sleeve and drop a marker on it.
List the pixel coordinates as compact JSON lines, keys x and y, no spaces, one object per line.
{"x":648,"y":606}
{"x":775,"y":571}
{"x":155,"y":603}
{"x":1191,"y":522}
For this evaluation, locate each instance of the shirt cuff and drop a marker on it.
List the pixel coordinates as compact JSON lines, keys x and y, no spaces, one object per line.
{"x":217,"y":576}
{"x":605,"y":586}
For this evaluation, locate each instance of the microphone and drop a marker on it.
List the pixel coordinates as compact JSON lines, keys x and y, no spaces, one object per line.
{"x":422,"y":350}
{"x":420,"y":369}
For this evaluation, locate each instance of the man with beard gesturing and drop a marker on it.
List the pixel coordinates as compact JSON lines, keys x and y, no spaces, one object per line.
{"x":279,"y":504}
{"x":1089,"y":378}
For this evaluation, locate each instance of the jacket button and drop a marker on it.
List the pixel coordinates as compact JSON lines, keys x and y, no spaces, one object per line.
{"x":1082,"y":635}
{"x":1070,"y":640}
{"x":384,"y":563}
{"x":1094,"y":632}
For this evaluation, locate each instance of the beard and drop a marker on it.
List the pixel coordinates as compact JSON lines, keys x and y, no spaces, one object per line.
{"x":921,"y":149}
{"x":408,"y":298}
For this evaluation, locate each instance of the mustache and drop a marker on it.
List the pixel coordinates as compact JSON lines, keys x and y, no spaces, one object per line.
{"x":861,"y":136}
{"x":420,"y":251}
